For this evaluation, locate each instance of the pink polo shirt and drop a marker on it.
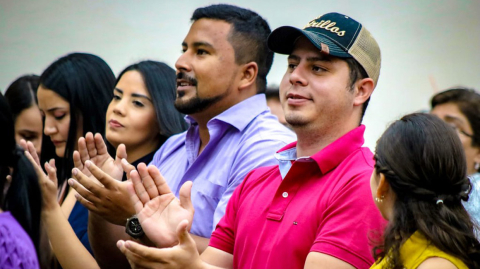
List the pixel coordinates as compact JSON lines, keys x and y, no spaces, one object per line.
{"x":323,"y":204}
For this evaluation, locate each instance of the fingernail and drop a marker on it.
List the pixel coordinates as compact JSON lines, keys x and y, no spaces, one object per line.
{"x":88,"y":163}
{"x":75,"y":171}
{"x":70,"y":182}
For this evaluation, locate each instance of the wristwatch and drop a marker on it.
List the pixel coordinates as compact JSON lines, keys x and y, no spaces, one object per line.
{"x":133,"y":227}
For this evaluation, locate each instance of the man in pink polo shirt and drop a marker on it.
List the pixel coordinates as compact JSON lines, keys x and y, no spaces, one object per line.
{"x":313,"y":210}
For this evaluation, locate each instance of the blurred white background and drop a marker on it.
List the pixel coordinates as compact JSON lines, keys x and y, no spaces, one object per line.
{"x":421,"y":41}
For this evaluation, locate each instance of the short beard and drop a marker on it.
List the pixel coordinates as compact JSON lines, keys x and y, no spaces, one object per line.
{"x":295,"y":121}
{"x":196,"y":104}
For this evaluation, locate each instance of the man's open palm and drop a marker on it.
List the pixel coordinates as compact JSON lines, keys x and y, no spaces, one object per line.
{"x":157,"y":208}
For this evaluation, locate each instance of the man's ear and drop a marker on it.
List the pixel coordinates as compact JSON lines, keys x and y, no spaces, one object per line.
{"x":383,"y":189}
{"x":249,"y":72}
{"x":363,"y":89}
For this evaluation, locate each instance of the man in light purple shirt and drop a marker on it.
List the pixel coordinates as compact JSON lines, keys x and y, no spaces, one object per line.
{"x":242,"y":138}
{"x":221,"y":78}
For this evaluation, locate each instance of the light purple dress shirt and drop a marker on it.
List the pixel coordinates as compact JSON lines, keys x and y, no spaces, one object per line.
{"x":242,"y":138}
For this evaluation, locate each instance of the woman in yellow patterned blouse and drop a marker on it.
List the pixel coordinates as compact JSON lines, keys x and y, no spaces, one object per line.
{"x":418,"y":184}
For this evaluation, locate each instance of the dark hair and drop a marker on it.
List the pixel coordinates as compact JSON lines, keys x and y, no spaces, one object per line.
{"x":248,"y":36}
{"x":86,"y":82}
{"x":468,"y":102}
{"x":423,"y":161}
{"x":357,"y":72}
{"x":272,"y":93}
{"x":23,"y":198}
{"x":160,"y":81}
{"x":22,"y":93}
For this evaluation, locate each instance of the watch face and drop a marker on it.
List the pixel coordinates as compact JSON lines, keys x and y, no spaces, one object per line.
{"x":133,"y":228}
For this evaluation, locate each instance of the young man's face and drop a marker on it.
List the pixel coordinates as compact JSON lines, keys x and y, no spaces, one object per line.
{"x":315,"y":90}
{"x":206,"y":70}
{"x":451,"y":114}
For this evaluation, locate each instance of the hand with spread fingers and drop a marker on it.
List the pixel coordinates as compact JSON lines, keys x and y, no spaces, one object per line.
{"x":183,"y":255}
{"x":158,"y":210}
{"x":48,"y":182}
{"x":93,"y":148}
{"x":102,"y":194}
{"x":68,"y":249}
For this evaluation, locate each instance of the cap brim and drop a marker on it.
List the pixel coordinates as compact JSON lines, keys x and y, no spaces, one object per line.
{"x":282,"y":40}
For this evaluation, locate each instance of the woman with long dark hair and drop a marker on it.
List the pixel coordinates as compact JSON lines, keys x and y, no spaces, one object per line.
{"x":141,"y":114}
{"x":20,"y":209}
{"x":73,"y":95}
{"x":418,"y":184}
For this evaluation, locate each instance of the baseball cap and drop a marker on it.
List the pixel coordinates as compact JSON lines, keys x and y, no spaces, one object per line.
{"x":334,"y":34}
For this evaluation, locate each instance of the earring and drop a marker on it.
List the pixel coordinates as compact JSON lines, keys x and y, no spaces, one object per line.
{"x":379,"y":200}
{"x":477,"y":166}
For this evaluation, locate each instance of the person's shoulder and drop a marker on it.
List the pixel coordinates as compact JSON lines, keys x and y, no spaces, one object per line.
{"x":266,"y":127}
{"x":360,"y":161}
{"x":173,"y":144}
{"x":355,"y":171}
{"x":367,"y":156}
{"x":16,"y":243}
{"x":260,"y":174}
{"x":437,"y":263}
{"x":258,"y":180}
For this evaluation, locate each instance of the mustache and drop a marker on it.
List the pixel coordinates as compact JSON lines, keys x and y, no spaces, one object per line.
{"x":189,"y":79}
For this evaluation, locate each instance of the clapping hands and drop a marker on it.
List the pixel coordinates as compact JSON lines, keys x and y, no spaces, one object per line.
{"x":157,"y":208}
